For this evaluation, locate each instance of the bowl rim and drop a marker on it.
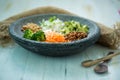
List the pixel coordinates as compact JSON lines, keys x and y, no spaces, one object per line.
{"x":12,"y":32}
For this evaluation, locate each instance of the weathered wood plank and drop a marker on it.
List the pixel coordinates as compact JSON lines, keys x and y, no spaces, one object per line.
{"x":13,"y":63}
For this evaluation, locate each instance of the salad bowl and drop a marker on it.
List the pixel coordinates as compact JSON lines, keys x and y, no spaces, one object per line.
{"x":54,"y":49}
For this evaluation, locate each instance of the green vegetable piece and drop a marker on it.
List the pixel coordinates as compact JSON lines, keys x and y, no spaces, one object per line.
{"x":86,"y":28}
{"x":39,"y":36}
{"x":28,"y":34}
{"x":71,"y":26}
{"x":51,"y":19}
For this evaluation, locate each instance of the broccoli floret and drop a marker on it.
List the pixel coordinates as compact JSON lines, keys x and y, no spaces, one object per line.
{"x":39,"y":36}
{"x":28,"y":34}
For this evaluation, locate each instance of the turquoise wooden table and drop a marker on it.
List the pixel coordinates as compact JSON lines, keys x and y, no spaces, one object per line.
{"x":17,"y":63}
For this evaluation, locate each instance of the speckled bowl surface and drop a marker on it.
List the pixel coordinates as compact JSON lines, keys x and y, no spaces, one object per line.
{"x":54,"y":49}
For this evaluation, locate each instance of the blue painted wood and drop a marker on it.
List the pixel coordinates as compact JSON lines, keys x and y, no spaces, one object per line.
{"x":17,"y":63}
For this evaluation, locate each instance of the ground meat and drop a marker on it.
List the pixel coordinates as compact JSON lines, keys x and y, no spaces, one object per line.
{"x":32,"y":26}
{"x":75,"y":36}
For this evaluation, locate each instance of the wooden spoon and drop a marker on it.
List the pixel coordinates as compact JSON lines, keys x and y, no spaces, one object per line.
{"x":89,"y":63}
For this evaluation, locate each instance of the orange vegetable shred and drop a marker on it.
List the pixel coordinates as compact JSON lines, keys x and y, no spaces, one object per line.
{"x":52,"y":36}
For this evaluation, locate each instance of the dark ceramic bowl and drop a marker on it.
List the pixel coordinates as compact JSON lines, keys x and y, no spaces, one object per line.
{"x":54,"y":49}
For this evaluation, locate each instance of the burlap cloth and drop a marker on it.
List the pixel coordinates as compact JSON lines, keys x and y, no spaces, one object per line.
{"x":109,"y":37}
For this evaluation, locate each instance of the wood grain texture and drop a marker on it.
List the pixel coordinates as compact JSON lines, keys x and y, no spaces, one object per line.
{"x":17,"y":63}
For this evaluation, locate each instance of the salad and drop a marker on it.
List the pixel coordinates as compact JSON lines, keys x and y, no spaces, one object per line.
{"x":55,"y":30}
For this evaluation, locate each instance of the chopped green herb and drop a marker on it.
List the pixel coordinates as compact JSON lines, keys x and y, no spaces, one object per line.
{"x":51,"y":19}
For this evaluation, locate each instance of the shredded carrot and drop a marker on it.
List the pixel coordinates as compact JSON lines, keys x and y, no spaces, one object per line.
{"x":52,"y":36}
